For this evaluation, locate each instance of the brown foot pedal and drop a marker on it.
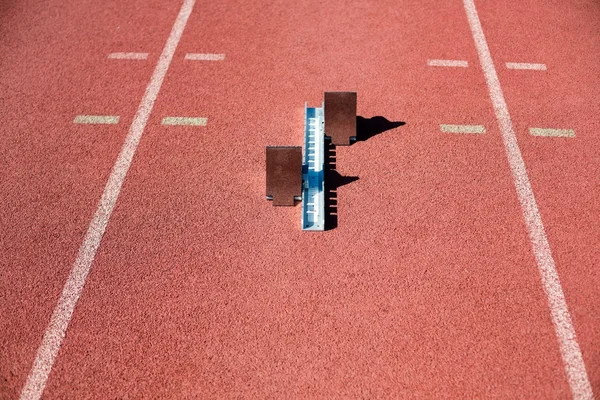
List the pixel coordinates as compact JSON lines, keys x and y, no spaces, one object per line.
{"x":340,"y":117}
{"x":284,"y":174}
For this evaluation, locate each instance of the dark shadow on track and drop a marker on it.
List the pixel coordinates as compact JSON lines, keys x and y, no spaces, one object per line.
{"x":366,"y":128}
{"x":333,"y":181}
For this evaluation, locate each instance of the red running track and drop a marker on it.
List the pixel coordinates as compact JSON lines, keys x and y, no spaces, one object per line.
{"x":427,"y":288}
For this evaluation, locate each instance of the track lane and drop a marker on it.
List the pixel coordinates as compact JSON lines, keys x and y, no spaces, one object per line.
{"x":191,"y":296}
{"x":562,"y":170}
{"x":54,"y":67}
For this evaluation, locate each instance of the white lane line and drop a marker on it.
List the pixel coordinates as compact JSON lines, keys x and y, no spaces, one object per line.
{"x":196,"y":121}
{"x":538,"y":67}
{"x":448,"y":63}
{"x":56,"y":330}
{"x":563,"y":325}
{"x":96,"y":119}
{"x":204,"y":57}
{"x":552,"y":132}
{"x":462,"y":128}
{"x":128,"y":56}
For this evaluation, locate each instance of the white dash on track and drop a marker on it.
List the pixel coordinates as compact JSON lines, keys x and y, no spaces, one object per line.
{"x":96,"y":119}
{"x":195,"y":121}
{"x":552,"y":132}
{"x":128,"y":56}
{"x":448,"y":63}
{"x":530,"y":66}
{"x":61,"y":317}
{"x":570,"y":352}
{"x":462,"y":128}
{"x":204,"y":57}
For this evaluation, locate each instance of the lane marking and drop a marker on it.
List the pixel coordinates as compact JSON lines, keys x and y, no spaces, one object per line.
{"x":204,"y":57}
{"x":96,"y":119}
{"x":59,"y":322}
{"x":128,"y":56}
{"x":552,"y":132}
{"x":462,"y":128}
{"x":448,"y":63}
{"x":196,"y":121}
{"x":563,"y":325}
{"x":539,"y":67}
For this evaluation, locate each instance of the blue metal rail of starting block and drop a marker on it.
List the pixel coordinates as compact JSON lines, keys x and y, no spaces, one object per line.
{"x":313,"y":170}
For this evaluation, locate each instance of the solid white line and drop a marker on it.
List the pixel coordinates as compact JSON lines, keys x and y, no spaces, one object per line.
{"x":552,"y":132}
{"x":538,"y":67}
{"x":55,"y":332}
{"x":96,"y":119}
{"x":448,"y":63}
{"x":128,"y":56}
{"x":563,"y":325}
{"x":462,"y":128}
{"x":204,"y":57}
{"x":195,"y":121}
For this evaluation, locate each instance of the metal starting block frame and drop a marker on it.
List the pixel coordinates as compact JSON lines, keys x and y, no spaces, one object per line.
{"x":313,"y":170}
{"x":291,"y":173}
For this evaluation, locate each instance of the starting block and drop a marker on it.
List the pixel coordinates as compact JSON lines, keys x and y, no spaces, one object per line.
{"x":284,"y":174}
{"x":293,"y":176}
{"x":340,"y":117}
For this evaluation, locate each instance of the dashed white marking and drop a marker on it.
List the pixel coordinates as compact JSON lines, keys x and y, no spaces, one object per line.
{"x":59,"y":322}
{"x":552,"y":132}
{"x":563,"y":325}
{"x":204,"y":57}
{"x":538,"y":67}
{"x":448,"y":63}
{"x":196,"y":121}
{"x":128,"y":56}
{"x":462,"y":128}
{"x":96,"y":119}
